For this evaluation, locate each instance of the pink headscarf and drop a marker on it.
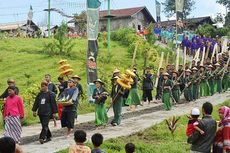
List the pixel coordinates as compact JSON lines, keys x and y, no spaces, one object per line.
{"x":226,"y":112}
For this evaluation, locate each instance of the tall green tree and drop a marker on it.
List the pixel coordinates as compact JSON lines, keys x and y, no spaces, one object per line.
{"x":170,"y":7}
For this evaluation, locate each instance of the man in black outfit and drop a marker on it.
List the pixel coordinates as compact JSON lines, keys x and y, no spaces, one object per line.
{"x":147,"y":86}
{"x":45,"y":106}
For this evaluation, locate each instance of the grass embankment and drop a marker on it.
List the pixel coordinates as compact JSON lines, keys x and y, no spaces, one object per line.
{"x":156,"y":139}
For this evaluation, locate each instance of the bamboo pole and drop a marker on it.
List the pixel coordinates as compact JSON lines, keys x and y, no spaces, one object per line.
{"x":203,"y":55}
{"x":177,"y":58}
{"x":158,"y":71}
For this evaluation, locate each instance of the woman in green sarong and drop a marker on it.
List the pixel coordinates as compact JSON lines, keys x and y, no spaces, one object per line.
{"x":176,"y":87}
{"x":117,"y":99}
{"x":195,"y":82}
{"x":218,"y":78}
{"x":133,"y":99}
{"x":225,"y":80}
{"x":167,"y":85}
{"x":100,"y":95}
{"x":210,"y":78}
{"x":204,"y":86}
{"x":188,"y":86}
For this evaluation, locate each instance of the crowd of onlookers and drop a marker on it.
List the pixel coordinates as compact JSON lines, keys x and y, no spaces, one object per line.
{"x":8,"y":145}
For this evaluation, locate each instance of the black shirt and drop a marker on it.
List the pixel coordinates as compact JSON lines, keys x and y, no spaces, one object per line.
{"x":45,"y":103}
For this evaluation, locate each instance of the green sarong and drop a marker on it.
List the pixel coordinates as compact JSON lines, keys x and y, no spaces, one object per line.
{"x":204,"y":89}
{"x":188,"y":93}
{"x":166,"y":100}
{"x":211,"y":85}
{"x":195,"y":91}
{"x":133,"y":98}
{"x":225,"y":83}
{"x":219,"y":86}
{"x":117,"y":107}
{"x":100,"y":114}
{"x":176,"y":94}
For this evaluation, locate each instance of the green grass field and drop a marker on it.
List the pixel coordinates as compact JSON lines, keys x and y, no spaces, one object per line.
{"x":156,"y":139}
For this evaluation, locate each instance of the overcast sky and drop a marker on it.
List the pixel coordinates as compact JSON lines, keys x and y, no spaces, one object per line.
{"x":16,"y":10}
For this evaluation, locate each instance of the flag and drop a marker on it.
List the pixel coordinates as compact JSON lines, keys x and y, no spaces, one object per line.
{"x":92,"y":52}
{"x":179,"y":5}
{"x":158,"y":10}
{"x":93,"y":19}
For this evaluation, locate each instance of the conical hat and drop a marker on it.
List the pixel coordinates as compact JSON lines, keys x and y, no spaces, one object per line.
{"x":116,"y":71}
{"x":188,"y":70}
{"x":99,"y":80}
{"x":194,"y":69}
{"x":165,"y":74}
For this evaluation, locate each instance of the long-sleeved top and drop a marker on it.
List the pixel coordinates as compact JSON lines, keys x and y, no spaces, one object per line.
{"x":45,"y":103}
{"x":203,"y":143}
{"x":6,"y":94}
{"x":80,"y":89}
{"x":70,"y":93}
{"x":148,"y":82}
{"x":14,"y":106}
{"x":99,"y":95}
{"x":52,"y":88}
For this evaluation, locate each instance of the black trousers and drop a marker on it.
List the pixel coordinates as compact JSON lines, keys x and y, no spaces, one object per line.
{"x":67,"y":119}
{"x":159,"y":93}
{"x":147,"y":95}
{"x":45,"y":133}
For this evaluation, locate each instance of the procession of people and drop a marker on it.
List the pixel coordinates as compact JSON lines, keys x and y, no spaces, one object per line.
{"x":207,"y":74}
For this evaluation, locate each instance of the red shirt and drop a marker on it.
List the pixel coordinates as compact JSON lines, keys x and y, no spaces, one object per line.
{"x":190,"y":127}
{"x":14,"y":106}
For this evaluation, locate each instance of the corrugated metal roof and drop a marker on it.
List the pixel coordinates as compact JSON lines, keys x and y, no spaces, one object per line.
{"x":12,"y":25}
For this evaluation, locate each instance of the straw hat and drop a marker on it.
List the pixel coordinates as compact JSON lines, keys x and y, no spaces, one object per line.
{"x":99,"y":80}
{"x":76,"y":76}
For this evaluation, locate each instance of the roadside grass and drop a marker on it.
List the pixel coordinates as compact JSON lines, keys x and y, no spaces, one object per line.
{"x":156,"y":139}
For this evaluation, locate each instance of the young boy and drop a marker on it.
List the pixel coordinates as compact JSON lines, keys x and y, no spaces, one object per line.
{"x":97,"y":140}
{"x":129,"y":148}
{"x":193,"y":122}
{"x":79,"y":146}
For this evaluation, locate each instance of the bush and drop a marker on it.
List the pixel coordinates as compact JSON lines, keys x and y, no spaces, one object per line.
{"x":62,"y":45}
{"x":209,"y":30}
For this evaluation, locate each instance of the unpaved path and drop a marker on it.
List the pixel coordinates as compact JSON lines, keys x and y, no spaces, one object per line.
{"x":130,"y":125}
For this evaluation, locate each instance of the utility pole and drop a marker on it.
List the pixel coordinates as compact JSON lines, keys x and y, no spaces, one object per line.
{"x":49,"y":18}
{"x":109,"y":15}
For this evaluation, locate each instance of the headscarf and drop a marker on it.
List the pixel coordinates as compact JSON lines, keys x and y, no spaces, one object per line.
{"x":226,"y":113}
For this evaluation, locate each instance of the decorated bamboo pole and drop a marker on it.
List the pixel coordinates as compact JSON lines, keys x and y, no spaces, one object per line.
{"x":208,"y":49}
{"x":177,"y":58}
{"x":158,"y":71}
{"x":213,"y":52}
{"x":167,"y":58}
{"x":203,"y":55}
{"x":134,"y":54}
{"x":224,"y":45}
{"x":197,"y":55}
{"x":185,"y":56}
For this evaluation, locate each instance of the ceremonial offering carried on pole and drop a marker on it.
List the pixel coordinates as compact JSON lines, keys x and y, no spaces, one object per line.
{"x":125,"y":82}
{"x":65,"y":71}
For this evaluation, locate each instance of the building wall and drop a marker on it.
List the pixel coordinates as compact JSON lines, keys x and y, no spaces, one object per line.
{"x":137,"y":20}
